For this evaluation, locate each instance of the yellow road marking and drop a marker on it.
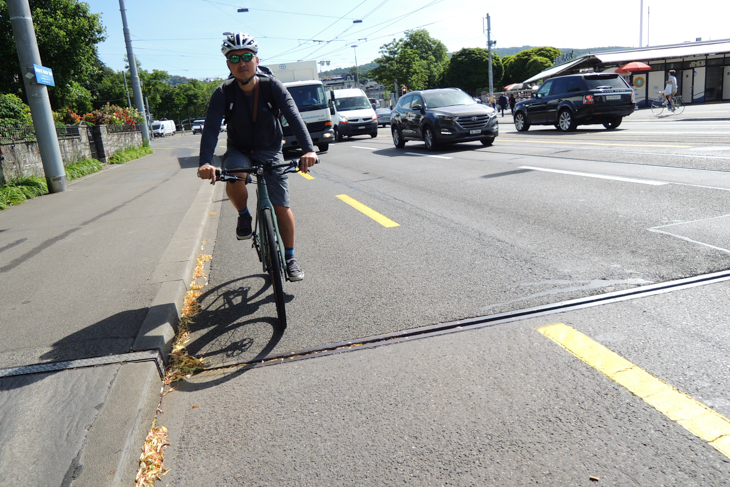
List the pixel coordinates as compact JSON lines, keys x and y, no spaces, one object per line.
{"x":564,"y":142}
{"x":694,"y":416}
{"x":386,"y":222}
{"x":305,"y":176}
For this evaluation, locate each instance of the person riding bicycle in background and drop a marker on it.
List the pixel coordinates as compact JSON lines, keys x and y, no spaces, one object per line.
{"x":255,"y":135}
{"x":670,"y":89}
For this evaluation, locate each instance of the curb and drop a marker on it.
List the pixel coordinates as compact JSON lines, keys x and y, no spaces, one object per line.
{"x":111,"y":453}
{"x":175,"y":271}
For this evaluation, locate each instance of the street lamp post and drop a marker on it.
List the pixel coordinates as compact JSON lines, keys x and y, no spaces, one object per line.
{"x":357,"y":71}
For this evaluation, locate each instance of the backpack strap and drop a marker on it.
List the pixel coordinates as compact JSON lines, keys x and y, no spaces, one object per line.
{"x":229,"y":89}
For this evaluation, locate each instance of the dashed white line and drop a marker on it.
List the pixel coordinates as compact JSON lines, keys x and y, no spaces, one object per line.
{"x":597,"y":176}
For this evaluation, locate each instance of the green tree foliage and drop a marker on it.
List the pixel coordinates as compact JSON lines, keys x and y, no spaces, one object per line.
{"x":13,"y":111}
{"x":516,"y":68}
{"x":67,"y":35}
{"x":417,"y":61}
{"x":468,"y":69}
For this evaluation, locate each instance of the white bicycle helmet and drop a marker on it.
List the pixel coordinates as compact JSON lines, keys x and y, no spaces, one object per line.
{"x":236,"y":42}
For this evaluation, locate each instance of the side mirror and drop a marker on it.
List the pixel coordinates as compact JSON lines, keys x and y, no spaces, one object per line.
{"x":537,"y":95}
{"x":417,"y":107}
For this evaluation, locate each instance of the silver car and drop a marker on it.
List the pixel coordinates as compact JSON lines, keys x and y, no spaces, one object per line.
{"x":383,"y":116}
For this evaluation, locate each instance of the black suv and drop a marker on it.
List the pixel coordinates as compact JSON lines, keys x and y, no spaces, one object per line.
{"x":577,"y":99}
{"x":442,"y":116}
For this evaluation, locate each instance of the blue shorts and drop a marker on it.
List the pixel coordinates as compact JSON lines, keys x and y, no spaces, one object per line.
{"x":277,"y":183}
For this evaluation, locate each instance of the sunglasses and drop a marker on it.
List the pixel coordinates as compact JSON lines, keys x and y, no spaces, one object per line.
{"x":245,"y":57}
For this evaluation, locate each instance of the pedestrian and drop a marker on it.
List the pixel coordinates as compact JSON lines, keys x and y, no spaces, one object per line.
{"x":254,"y":135}
{"x":512,"y":103}
{"x":503,"y":102}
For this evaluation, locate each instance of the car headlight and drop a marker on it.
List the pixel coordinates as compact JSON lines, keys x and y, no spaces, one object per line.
{"x":446,"y":118}
{"x":343,"y":119}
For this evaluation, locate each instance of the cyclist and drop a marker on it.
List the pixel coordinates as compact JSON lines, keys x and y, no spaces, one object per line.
{"x":670,"y":89}
{"x":254,"y":135}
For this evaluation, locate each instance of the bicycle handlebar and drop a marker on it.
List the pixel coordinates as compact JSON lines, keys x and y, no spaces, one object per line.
{"x":229,"y":175}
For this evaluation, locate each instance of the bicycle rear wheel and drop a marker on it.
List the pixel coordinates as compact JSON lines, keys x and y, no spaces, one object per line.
{"x":678,"y":106}
{"x":270,"y":244}
{"x":657,"y":106}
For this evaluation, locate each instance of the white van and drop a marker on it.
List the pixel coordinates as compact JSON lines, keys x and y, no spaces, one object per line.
{"x":352,"y":114}
{"x":161,"y":128}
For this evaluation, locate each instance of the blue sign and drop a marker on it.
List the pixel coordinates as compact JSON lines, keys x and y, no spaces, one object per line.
{"x":43,"y":76}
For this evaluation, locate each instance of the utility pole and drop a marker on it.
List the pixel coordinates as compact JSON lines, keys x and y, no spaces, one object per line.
{"x":641,"y":24}
{"x":40,"y":105}
{"x":138,"y":101}
{"x":490,"y":43}
{"x":126,"y":90}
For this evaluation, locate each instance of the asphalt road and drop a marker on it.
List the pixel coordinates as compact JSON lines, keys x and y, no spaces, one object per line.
{"x":539,"y":218}
{"x":481,"y":231}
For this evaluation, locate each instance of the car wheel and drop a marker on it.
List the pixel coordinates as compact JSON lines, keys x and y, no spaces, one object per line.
{"x":338,"y":135}
{"x":323,"y":147}
{"x":613,"y":123}
{"x":374,"y":134}
{"x":488,"y":141}
{"x":429,"y":139}
{"x":521,"y":123}
{"x":566,"y":121}
{"x":398,"y":140}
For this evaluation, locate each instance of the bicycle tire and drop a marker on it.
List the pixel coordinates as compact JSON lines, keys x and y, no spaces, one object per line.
{"x":273,"y":264}
{"x":657,"y":106}
{"x":678,"y":106}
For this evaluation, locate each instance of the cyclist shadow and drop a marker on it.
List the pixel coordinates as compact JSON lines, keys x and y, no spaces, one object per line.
{"x":237,"y":322}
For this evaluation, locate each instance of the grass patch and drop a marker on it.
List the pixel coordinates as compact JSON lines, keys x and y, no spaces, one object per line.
{"x":82,"y":168}
{"x":130,"y":154}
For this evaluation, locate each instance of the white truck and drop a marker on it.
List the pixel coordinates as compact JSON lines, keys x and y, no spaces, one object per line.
{"x":302,"y":81}
{"x":161,"y":128}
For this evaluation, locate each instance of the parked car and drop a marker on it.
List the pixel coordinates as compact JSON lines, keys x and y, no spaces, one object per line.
{"x":198,"y":126}
{"x":442,"y":116}
{"x":577,"y":99}
{"x":383,"y":115}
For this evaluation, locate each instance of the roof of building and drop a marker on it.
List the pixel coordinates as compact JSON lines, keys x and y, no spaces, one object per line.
{"x":700,"y":48}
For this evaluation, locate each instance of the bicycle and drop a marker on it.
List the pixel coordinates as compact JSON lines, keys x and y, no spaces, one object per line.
{"x":657,"y":104}
{"x":266,"y":237}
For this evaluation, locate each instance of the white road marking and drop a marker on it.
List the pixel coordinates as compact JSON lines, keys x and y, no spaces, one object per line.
{"x":598,"y":176}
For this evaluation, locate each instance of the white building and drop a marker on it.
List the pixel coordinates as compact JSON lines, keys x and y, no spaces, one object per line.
{"x":703,"y":69}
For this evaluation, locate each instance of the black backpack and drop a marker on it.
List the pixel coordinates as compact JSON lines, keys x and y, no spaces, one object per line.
{"x":229,"y":90}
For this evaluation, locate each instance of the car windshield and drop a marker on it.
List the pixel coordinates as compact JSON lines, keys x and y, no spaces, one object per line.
{"x":448,"y":98}
{"x":155,"y":125}
{"x":353,"y":103}
{"x":605,"y":81}
{"x":308,"y":98}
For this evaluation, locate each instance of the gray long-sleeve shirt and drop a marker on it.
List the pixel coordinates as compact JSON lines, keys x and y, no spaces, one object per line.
{"x":243,"y":133}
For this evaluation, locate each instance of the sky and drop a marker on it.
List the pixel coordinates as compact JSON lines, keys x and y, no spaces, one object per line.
{"x":183,"y":37}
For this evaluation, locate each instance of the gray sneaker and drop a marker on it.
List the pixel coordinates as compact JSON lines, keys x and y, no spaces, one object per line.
{"x":293,"y":270}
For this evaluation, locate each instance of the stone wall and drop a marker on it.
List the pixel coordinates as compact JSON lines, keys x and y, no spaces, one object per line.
{"x":78,"y":142}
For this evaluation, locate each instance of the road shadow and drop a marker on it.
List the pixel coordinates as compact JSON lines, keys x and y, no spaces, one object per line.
{"x":232,"y":326}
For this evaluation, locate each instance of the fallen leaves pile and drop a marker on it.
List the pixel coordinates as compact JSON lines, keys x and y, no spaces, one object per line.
{"x":180,"y":365}
{"x":150,"y":464}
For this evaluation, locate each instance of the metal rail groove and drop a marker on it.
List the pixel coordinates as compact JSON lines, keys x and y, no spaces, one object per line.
{"x":144,"y":356}
{"x":484,"y":321}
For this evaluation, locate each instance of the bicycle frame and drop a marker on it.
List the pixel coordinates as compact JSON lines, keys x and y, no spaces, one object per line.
{"x":262,"y":202}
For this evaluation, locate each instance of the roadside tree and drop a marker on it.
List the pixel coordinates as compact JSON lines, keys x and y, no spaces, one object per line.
{"x":67,"y":34}
{"x":516,"y":68}
{"x":468,"y":69}
{"x":417,"y":61}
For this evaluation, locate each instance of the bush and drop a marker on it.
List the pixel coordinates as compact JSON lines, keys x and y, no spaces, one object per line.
{"x":66,"y":116}
{"x":13,"y":111}
{"x":113,"y":115}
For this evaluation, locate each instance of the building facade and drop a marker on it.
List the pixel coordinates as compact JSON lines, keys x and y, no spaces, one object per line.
{"x":702,"y":69}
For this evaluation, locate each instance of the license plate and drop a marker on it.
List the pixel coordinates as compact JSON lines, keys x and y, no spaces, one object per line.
{"x":362,"y":127}
{"x":613,"y":97}
{"x":475,"y":131}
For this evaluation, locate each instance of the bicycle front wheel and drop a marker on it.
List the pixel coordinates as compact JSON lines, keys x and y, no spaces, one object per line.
{"x":270,"y":245}
{"x":678,"y":106}
{"x":657,"y":106}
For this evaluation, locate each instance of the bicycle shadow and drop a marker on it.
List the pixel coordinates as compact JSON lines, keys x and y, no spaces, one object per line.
{"x":237,"y":322}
